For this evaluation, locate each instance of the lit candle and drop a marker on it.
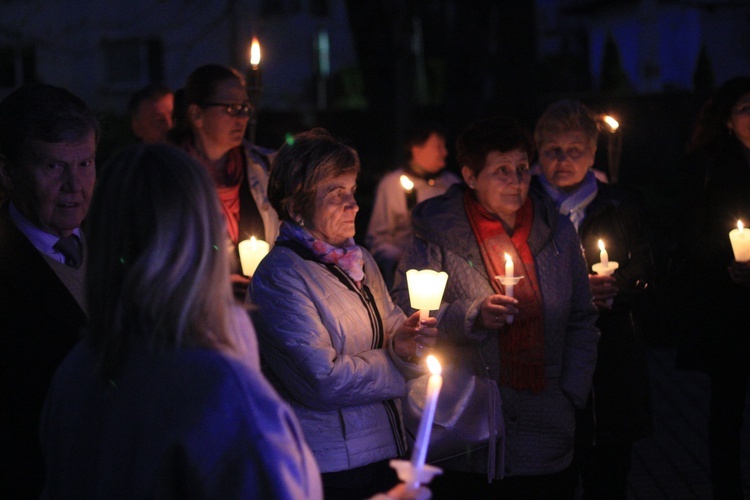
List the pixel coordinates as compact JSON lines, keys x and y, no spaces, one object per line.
{"x":605,"y":267}
{"x":254,"y":77}
{"x":252,"y":252}
{"x":426,"y":289}
{"x":740,"y":240}
{"x":422,"y":442}
{"x":611,"y":122}
{"x":411,"y":195}
{"x":603,"y":255}
{"x":509,"y":270}
{"x":407,"y":184}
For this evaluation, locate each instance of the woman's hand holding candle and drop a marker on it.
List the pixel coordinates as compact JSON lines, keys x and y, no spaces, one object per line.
{"x":494,"y":310}
{"x":739,"y":272}
{"x":602,"y":284}
{"x":415,"y":336}
{"x":603,"y":289}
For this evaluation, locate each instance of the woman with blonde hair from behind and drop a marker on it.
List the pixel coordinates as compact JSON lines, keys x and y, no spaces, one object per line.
{"x":163,"y":397}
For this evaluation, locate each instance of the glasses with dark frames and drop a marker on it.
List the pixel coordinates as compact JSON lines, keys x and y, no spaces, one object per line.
{"x":232,"y":108}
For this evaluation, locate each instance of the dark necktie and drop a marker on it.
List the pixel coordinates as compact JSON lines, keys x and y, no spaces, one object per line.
{"x":70,"y":247}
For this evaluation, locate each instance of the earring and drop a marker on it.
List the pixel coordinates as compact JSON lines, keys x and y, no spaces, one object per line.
{"x":301,"y":223}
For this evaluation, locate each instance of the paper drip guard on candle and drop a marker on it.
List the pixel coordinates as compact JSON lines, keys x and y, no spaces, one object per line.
{"x":426,"y":289}
{"x":252,"y":252}
{"x":740,"y":240}
{"x":415,"y":472}
{"x":509,"y":282}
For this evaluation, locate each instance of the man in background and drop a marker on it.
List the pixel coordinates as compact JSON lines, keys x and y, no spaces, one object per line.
{"x":389,"y":229}
{"x":48,"y":140}
{"x":150,"y":110}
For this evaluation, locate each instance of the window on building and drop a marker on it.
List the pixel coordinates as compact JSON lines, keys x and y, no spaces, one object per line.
{"x":7,"y":67}
{"x":270,"y":8}
{"x":17,"y":65}
{"x":132,"y":63}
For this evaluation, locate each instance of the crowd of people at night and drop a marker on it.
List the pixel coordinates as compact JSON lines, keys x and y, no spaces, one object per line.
{"x":140,"y":359}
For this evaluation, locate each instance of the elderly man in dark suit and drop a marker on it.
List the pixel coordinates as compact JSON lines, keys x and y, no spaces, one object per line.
{"x":48,"y":142}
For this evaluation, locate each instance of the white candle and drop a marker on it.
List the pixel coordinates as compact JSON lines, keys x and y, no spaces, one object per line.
{"x":603,"y":255}
{"x":252,"y":252}
{"x":422,"y":442}
{"x":740,"y":240}
{"x":406,"y":183}
{"x":509,"y":271}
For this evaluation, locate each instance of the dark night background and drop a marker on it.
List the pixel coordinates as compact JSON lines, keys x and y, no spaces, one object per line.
{"x":474,"y":58}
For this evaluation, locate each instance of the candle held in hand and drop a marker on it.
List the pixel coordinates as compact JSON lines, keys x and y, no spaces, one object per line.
{"x":410,"y":192}
{"x":426,"y":289}
{"x":509,"y":269}
{"x":406,"y":183}
{"x":422,"y":442}
{"x":509,"y":275}
{"x":252,"y":252}
{"x":740,"y":240}
{"x":603,"y":255}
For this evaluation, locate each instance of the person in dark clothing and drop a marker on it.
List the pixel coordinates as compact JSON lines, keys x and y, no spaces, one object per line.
{"x":150,"y":111}
{"x":716,"y":196}
{"x":619,"y":409}
{"x":48,"y":140}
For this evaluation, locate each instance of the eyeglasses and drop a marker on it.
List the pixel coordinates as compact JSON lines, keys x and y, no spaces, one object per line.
{"x":232,"y":108}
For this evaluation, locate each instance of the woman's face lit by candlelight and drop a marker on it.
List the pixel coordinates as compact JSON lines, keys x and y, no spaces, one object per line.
{"x":501,"y":187}
{"x":216,"y":129}
{"x":739,"y":120}
{"x":335,"y":210}
{"x":565,"y":158}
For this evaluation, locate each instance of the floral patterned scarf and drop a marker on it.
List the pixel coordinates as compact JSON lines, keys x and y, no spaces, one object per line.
{"x":348,"y":258}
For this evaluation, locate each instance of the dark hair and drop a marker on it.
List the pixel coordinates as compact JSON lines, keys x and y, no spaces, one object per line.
{"x":418,"y":134}
{"x":499,"y":133}
{"x":155,"y":219}
{"x":44,"y":113}
{"x":710,"y":129}
{"x":564,"y":116}
{"x":199,"y":88}
{"x":151,"y":92}
{"x":300,"y":165}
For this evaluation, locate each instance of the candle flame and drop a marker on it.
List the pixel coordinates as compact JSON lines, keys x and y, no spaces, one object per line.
{"x":508,"y":258}
{"x":434,"y":365}
{"x":611,"y":123}
{"x":254,"y":53}
{"x":740,"y":226}
{"x":601,"y":245}
{"x":406,"y":183}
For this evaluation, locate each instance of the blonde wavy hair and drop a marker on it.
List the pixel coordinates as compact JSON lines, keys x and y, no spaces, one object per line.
{"x":157,"y":268}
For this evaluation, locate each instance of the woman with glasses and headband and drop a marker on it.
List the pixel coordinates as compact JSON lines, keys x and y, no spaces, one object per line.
{"x":619,"y":409}
{"x":211,"y":117}
{"x":544,"y":357}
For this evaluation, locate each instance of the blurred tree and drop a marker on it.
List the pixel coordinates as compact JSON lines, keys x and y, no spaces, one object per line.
{"x":703,"y":76}
{"x":613,"y":77}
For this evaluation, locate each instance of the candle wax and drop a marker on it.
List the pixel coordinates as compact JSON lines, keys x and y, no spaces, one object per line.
{"x":419,"y":455}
